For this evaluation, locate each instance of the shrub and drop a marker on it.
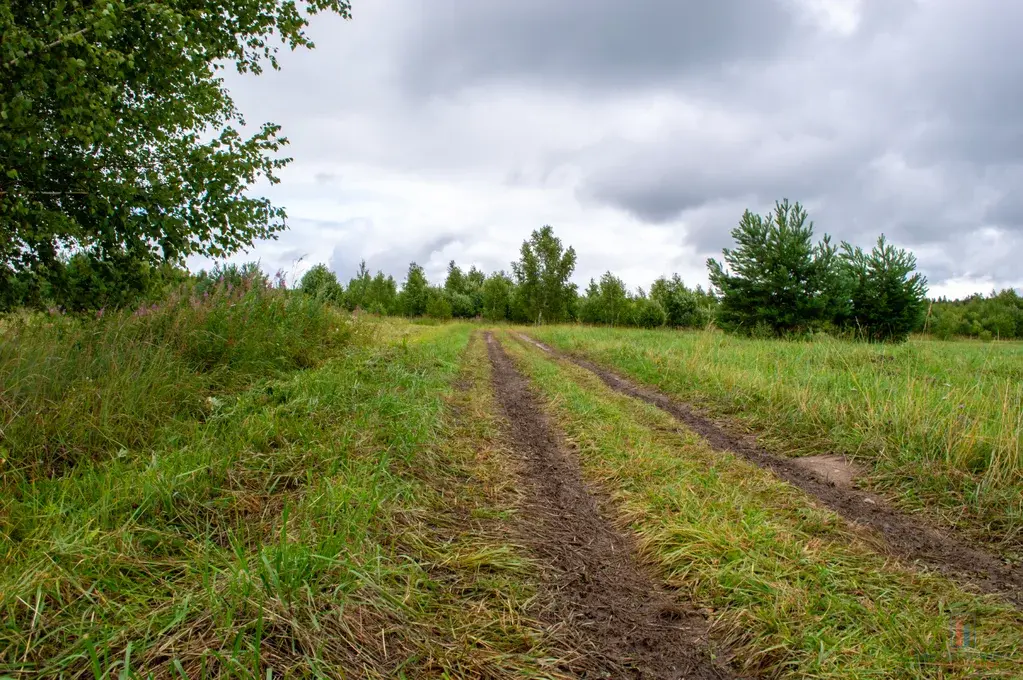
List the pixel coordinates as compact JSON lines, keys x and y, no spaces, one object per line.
{"x":322,"y":283}
{"x":682,"y":307}
{"x":462,"y":305}
{"x":647,"y":313}
{"x":437,"y":306}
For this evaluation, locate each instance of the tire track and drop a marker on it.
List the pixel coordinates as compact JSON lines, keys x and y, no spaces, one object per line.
{"x":904,"y":536}
{"x":626,"y":624}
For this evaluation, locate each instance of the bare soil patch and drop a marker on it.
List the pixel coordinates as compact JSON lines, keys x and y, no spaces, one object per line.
{"x":625,"y":623}
{"x":833,"y":469}
{"x":905,"y":536}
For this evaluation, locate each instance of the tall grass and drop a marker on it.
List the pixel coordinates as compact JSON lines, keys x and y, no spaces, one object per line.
{"x":320,"y":523}
{"x":940,"y":422}
{"x":76,"y":388}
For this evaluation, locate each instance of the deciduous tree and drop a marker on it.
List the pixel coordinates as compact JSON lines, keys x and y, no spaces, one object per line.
{"x":542,"y":274}
{"x":118,"y":138}
{"x":415,"y":292}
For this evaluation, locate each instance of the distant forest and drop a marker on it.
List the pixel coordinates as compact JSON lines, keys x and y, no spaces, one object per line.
{"x":775,"y":282}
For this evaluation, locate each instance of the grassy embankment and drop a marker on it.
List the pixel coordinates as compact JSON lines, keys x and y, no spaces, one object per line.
{"x":247,"y":484}
{"x":938,"y":424}
{"x":793,"y":590}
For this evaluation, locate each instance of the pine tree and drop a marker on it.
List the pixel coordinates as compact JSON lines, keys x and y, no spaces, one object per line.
{"x":888,"y":297}
{"x":778,"y":281}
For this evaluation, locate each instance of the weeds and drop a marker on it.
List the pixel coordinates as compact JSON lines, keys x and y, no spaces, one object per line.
{"x":302,"y":526}
{"x":81,"y":388}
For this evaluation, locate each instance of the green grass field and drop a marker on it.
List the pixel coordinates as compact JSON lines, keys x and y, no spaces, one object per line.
{"x":794,"y":590}
{"x":938,"y":424}
{"x":185,"y":495}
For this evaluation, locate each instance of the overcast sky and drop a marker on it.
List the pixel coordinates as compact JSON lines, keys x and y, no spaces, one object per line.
{"x":433,"y":130}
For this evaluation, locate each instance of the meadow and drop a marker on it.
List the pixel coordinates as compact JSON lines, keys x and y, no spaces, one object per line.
{"x":243,"y":482}
{"x":282,"y":492}
{"x":937,"y":424}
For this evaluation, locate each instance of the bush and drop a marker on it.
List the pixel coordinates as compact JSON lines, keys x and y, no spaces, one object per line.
{"x":437,"y":306}
{"x":647,"y":313}
{"x":999,"y":313}
{"x":462,"y":305}
{"x":683,"y":308}
{"x":322,"y":283}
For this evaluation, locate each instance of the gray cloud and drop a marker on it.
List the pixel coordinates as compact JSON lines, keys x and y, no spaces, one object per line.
{"x":595,"y":43}
{"x":430,"y":131}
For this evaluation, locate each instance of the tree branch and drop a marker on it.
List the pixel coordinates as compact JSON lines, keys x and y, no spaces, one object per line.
{"x":55,"y":43}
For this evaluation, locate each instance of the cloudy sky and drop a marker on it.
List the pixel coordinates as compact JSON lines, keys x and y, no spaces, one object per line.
{"x":433,"y":130}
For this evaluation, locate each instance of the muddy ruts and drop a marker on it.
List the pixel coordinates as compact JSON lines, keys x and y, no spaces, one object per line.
{"x":624,"y":622}
{"x":904,"y":536}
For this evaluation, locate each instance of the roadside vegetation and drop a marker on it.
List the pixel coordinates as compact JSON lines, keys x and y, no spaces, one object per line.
{"x":794,"y":590}
{"x":346,"y":519}
{"x":939,"y":425}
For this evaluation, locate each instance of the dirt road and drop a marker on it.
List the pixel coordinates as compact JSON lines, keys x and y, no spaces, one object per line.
{"x":903,"y":535}
{"x":624,"y":622}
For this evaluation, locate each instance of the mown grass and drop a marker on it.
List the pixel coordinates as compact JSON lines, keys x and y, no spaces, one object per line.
{"x":794,"y":592}
{"x":940,"y":423}
{"x":341,"y":521}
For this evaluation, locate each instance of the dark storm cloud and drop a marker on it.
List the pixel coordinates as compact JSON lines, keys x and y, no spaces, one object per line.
{"x":589,"y":43}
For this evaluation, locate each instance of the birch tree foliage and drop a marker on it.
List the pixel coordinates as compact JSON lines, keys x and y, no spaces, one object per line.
{"x":118,"y":137}
{"x":542,"y":274}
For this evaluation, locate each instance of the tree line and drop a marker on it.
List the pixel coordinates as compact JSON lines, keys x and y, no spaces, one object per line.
{"x":775,"y":282}
{"x":996,"y":316}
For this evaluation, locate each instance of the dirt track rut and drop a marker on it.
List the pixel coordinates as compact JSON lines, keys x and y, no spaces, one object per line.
{"x":904,"y":536}
{"x":626,"y":625}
